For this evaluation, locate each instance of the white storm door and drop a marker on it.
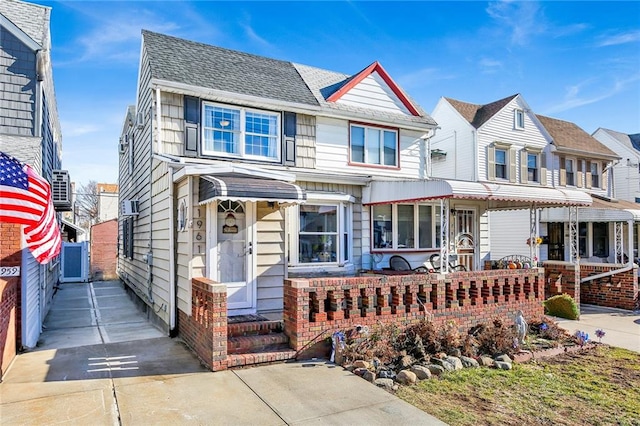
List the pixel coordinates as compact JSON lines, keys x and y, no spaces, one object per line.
{"x":235,"y":252}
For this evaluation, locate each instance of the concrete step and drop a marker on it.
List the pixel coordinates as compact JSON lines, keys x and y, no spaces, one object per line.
{"x":268,"y":357}
{"x":256,"y":343}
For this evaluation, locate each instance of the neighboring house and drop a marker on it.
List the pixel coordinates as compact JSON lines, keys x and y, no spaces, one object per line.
{"x":30,"y":132}
{"x":508,"y":143}
{"x":626,"y":172}
{"x":104,"y":250}
{"x":108,"y":207}
{"x":247,"y":170}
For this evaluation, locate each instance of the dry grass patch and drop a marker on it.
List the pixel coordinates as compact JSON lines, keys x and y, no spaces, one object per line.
{"x":596,"y":386}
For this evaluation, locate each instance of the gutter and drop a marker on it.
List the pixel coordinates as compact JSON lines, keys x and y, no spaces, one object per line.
{"x":630,"y":265}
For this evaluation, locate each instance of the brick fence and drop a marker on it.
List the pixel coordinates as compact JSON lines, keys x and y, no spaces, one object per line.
{"x":316,"y":307}
{"x":205,"y":330}
{"x":617,"y":291}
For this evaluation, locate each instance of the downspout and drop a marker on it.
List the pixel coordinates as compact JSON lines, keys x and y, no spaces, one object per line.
{"x":629,"y":266}
{"x":474,"y":134}
{"x":172,"y":258}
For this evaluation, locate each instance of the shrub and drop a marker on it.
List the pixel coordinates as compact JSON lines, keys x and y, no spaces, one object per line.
{"x":494,"y":338}
{"x":562,"y":306}
{"x":548,"y":329}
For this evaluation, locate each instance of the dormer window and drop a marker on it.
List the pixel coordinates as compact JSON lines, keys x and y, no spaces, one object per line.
{"x":519,"y":119}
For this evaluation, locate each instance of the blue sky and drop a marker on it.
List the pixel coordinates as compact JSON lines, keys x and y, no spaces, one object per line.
{"x":576,"y":61}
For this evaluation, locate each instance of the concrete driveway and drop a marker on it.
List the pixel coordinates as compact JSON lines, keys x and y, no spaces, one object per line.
{"x":100,"y":362}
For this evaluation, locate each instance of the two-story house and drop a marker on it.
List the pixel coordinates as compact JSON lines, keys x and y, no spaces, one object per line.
{"x":626,"y":172}
{"x":246,"y":170}
{"x":29,"y":132}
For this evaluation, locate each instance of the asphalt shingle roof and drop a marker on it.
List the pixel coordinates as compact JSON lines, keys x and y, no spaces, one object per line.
{"x":631,"y":141}
{"x":477,"y":115}
{"x":201,"y":65}
{"x":569,"y":136}
{"x":32,"y":19}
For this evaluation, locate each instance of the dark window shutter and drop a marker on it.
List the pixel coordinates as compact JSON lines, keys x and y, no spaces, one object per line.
{"x":191,"y":125}
{"x":289,"y":139}
{"x":130,"y":238}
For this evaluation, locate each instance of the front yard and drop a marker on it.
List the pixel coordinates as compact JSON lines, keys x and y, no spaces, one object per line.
{"x":595,"y":386}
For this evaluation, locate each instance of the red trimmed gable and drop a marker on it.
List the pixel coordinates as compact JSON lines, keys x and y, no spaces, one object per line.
{"x":375,"y":68}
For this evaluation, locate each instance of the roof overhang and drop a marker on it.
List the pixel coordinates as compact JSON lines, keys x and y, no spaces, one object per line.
{"x":498,"y":196}
{"x":242,"y":188}
{"x":19,"y":34}
{"x":600,"y":211}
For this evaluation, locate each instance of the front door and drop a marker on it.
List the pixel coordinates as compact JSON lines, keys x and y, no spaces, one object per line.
{"x":464,"y":237}
{"x":234,"y":254}
{"x":556,"y":240}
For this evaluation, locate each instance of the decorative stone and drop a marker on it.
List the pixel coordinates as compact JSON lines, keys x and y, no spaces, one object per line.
{"x":406,"y":377}
{"x":502,"y":365}
{"x":421,"y":372}
{"x":369,"y":376}
{"x":386,"y":374}
{"x":387,"y":384}
{"x":361,"y":364}
{"x":503,"y":358}
{"x":442,"y":363}
{"x":438,"y":370}
{"x":486,"y":361}
{"x":469,"y":362}
{"x":454,"y":361}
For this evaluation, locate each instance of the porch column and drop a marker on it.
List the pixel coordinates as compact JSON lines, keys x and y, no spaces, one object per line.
{"x":618,"y":230}
{"x":574,"y":256}
{"x":534,"y":232}
{"x":444,"y":235}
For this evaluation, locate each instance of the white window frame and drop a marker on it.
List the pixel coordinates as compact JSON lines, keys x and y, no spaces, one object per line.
{"x":395,"y":244}
{"x":596,"y":175}
{"x":506,"y":163}
{"x":537,"y":169}
{"x":518,"y":119}
{"x":242,"y":133}
{"x":344,"y":224}
{"x":380,"y":129}
{"x":573,"y":163}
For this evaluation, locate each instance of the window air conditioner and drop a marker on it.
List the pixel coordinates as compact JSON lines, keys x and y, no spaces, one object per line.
{"x":129,"y":208}
{"x":61,"y":190}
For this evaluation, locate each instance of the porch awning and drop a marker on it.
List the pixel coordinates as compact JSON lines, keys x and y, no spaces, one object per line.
{"x":499,"y":196}
{"x":244,"y":188}
{"x":602,"y":210}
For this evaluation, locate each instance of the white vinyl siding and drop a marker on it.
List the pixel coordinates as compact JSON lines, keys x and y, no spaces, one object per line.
{"x":509,"y":231}
{"x":270,"y":257}
{"x":456,"y":139}
{"x":373,"y":93}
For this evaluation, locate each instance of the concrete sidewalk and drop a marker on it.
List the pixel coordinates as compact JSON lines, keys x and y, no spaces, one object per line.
{"x":101,"y":363}
{"x":621,"y":327}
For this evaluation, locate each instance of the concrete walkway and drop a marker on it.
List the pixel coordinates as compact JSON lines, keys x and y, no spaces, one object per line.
{"x":100,"y":362}
{"x":622,"y":328}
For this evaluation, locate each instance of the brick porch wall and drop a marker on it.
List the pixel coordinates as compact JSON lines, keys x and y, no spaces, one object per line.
{"x":617,"y":291}
{"x":314,"y":308}
{"x":205,"y":330}
{"x":10,"y":331}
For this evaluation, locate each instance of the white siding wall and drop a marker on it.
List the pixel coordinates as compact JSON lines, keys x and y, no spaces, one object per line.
{"x":373,"y":93}
{"x":456,"y":138}
{"x":270,"y":257}
{"x":626,"y":178}
{"x":332,"y":151}
{"x":509,"y":232}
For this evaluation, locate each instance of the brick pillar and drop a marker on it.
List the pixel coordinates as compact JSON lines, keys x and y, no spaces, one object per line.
{"x":10,"y":332}
{"x":296,"y":312}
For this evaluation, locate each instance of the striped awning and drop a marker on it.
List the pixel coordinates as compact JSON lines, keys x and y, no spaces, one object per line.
{"x":245,"y":188}
{"x":500,"y":196}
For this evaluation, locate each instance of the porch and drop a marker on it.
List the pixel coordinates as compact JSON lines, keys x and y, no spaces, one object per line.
{"x":314,"y":308}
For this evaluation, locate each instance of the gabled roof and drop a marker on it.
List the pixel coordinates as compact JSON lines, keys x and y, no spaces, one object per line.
{"x":477,"y":115}
{"x":568,"y":136}
{"x":630,"y":141}
{"x":31,"y":19}
{"x":196,"y":64}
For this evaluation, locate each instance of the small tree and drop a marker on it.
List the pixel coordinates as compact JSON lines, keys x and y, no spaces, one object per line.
{"x":87,"y":205}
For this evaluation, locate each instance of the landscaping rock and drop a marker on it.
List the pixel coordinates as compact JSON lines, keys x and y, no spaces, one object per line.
{"x":486,"y":361}
{"x":502,"y":365}
{"x":406,"y":377}
{"x":386,"y":374}
{"x":455,"y":362}
{"x":437,"y":370}
{"x":504,"y":358}
{"x":421,"y":372}
{"x":442,"y":363}
{"x":469,"y":362}
{"x":387,"y":384}
{"x":361,"y":364}
{"x":369,"y":376}
{"x":360,"y":371}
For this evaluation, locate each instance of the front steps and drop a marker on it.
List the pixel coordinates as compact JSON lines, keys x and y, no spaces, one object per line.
{"x":257,"y":342}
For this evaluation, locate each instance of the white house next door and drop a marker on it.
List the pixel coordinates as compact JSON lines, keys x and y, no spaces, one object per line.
{"x":233,"y":255}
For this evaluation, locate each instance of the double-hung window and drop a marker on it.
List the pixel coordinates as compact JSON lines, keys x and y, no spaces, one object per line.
{"x":519,"y":119}
{"x":532,"y":167}
{"x":324,"y":233}
{"x":595,"y":175}
{"x":570,"y":171}
{"x":373,"y":145}
{"x":501,"y":164}
{"x":405,"y":226}
{"x":241,"y":132}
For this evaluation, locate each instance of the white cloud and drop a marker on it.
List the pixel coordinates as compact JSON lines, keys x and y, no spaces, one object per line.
{"x":422,"y":77}
{"x":616,"y":39}
{"x":74,"y":129}
{"x":490,"y":66}
{"x":523,"y":19}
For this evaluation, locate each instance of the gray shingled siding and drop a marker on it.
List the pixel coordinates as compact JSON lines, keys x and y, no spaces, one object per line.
{"x":32,"y":19}
{"x":17,"y":86}
{"x":306,"y":141}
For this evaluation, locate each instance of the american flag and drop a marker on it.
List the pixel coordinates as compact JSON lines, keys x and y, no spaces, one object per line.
{"x":25,"y":198}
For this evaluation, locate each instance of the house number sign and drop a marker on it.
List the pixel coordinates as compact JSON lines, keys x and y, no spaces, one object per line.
{"x":9,"y":271}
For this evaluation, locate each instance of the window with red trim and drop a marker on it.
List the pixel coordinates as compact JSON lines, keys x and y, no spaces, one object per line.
{"x":373,"y":145}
